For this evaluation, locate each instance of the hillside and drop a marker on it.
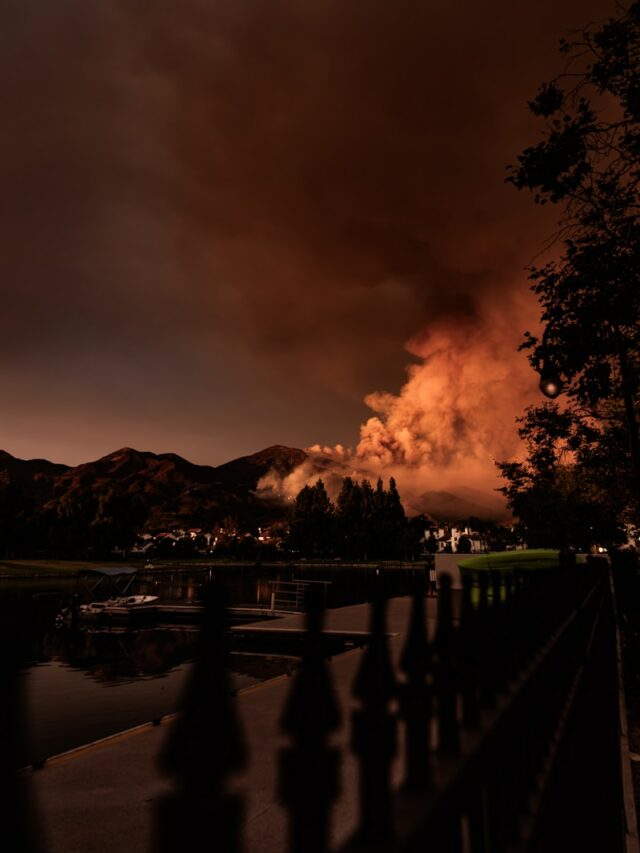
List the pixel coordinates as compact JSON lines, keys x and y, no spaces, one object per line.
{"x":32,"y":478}
{"x":165,"y":489}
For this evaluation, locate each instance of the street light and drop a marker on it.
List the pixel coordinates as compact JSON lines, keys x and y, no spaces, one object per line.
{"x":550,"y":384}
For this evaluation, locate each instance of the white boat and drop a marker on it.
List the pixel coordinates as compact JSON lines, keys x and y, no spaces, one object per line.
{"x":120,"y":606}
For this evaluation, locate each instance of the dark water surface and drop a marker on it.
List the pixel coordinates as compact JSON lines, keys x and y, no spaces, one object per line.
{"x":81,"y":685}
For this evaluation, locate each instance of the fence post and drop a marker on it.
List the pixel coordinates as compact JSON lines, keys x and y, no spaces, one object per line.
{"x":308,"y":778}
{"x":415,"y":696}
{"x":203,"y":749}
{"x":445,"y":674}
{"x":485,"y":645}
{"x":19,"y":823}
{"x":469,"y":658}
{"x":500,"y":641}
{"x":373,"y":736}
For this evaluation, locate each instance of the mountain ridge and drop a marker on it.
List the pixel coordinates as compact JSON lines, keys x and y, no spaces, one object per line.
{"x":173,"y":491}
{"x":167,"y":491}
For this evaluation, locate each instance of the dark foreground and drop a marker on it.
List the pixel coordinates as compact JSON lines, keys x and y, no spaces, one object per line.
{"x":503,"y":728}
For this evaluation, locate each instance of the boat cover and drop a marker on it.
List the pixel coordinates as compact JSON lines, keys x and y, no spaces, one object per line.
{"x":110,"y":571}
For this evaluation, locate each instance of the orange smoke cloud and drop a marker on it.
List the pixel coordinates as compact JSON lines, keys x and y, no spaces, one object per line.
{"x":452,"y":419}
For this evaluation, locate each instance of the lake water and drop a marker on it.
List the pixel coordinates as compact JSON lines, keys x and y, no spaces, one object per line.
{"x":82,"y":685}
{"x":79,"y":686}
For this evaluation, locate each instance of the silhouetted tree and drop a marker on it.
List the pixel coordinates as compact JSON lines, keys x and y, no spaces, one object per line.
{"x":588,"y":163}
{"x":366,"y":523}
{"x":414,"y":538}
{"x":369,"y":528}
{"x":394,"y":523}
{"x":371,"y":523}
{"x":349,"y":519}
{"x":432,"y":543}
{"x":312,"y":523}
{"x":464,"y":545}
{"x":557,"y":494}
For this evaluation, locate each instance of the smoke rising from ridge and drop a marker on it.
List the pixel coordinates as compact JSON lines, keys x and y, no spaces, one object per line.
{"x":451,"y":420}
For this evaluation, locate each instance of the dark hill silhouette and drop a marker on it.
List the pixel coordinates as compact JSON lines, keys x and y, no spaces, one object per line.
{"x":247,"y":470}
{"x":34,"y":478}
{"x":173,"y":491}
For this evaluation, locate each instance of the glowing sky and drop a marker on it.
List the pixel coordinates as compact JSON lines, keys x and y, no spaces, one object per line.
{"x":222,"y":223}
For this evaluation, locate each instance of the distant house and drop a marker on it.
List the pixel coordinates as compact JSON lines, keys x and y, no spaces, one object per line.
{"x":449,"y":539}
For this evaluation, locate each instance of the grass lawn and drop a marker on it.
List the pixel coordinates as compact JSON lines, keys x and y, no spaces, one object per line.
{"x":536,"y":558}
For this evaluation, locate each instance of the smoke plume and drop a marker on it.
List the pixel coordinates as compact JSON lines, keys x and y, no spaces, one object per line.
{"x":446,"y":427}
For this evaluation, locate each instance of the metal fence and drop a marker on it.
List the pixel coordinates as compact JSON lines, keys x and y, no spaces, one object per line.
{"x":510,"y":724}
{"x":507,"y":717}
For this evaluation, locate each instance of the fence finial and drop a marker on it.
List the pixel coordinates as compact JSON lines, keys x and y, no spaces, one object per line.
{"x":203,"y":748}
{"x":415,"y":696}
{"x":485,"y":645}
{"x":373,"y":736}
{"x":308,"y":782}
{"x":469,"y":657}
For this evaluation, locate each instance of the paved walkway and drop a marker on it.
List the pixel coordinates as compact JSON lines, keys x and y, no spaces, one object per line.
{"x":101,"y":798}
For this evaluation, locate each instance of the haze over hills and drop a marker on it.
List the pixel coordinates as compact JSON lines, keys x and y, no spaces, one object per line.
{"x":169,"y":491}
{"x":464,"y":503}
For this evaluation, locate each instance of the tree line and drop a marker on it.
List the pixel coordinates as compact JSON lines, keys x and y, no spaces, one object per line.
{"x":364,"y":523}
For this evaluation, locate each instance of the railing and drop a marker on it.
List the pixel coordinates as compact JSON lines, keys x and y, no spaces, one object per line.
{"x":510,"y":729}
{"x":296,"y":595}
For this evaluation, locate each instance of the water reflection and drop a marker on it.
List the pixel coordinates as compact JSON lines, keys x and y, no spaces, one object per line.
{"x":82,"y":685}
{"x":118,"y":653}
{"x":88,"y":684}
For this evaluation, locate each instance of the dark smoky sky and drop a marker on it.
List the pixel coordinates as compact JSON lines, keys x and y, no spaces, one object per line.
{"x":222,"y":221}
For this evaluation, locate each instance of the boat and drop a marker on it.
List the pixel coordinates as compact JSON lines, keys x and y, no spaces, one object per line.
{"x":119,"y":604}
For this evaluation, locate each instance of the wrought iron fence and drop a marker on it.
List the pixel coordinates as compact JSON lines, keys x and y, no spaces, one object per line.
{"x":510,"y":729}
{"x":508,"y":717}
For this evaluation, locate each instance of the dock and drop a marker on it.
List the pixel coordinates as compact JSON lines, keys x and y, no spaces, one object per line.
{"x":105,"y":793}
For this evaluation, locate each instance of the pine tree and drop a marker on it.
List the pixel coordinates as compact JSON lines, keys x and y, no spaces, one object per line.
{"x":395,"y":522}
{"x":349,"y":511}
{"x":313,"y":521}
